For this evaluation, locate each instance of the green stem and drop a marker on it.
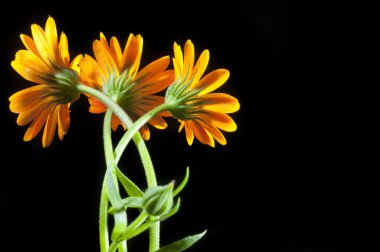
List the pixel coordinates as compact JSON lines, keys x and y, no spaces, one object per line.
{"x":103,"y":218}
{"x":134,"y":225}
{"x":135,"y":128}
{"x":154,"y":231}
{"x":120,"y":215}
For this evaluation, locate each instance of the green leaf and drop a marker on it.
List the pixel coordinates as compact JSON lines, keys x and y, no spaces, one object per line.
{"x":129,"y":202}
{"x":130,"y":187}
{"x":113,"y":193}
{"x":183,"y":183}
{"x":182,"y":244}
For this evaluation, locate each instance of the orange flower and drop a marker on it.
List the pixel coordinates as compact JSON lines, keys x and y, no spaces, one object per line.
{"x":46,"y":61}
{"x":199,"y":111}
{"x":116,"y":73}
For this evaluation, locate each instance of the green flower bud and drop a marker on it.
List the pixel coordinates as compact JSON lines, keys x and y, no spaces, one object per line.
{"x":158,"y":200}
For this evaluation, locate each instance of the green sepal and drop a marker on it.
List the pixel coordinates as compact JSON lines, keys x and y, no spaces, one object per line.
{"x":130,"y":202}
{"x":182,"y":244}
{"x":183,"y":183}
{"x":130,"y":187}
{"x":158,"y":200}
{"x":172,"y":211}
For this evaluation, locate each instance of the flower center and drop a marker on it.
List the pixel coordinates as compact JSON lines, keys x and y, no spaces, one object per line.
{"x":62,"y":85}
{"x":121,"y":89}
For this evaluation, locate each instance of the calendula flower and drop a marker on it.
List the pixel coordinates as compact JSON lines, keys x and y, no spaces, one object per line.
{"x":199,"y":111}
{"x":117,"y":74}
{"x":46,"y":62}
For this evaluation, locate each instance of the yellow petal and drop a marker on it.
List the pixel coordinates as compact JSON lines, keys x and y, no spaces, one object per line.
{"x":75,"y":63}
{"x":212,"y":81}
{"x":43,"y":45}
{"x":51,"y":35}
{"x":64,"y":50}
{"x":188,"y":63}
{"x":200,"y":67}
{"x":220,"y":102}
{"x":178,"y":61}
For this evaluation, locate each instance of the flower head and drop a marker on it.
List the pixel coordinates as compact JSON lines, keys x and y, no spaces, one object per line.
{"x":116,"y":72}
{"x":46,"y":62}
{"x":199,"y":111}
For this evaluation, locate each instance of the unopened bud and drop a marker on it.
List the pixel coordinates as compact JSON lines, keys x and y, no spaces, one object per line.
{"x":158,"y":200}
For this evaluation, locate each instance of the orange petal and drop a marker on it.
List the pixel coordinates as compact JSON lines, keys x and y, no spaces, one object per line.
{"x":189,"y":134}
{"x":105,"y":60}
{"x":29,"y":44}
{"x":36,"y":125}
{"x":132,"y":54}
{"x":158,"y":122}
{"x":116,"y":52}
{"x":115,"y":122}
{"x":153,"y":68}
{"x":219,"y":120}
{"x":216,"y":134}
{"x":24,"y":98}
{"x":212,"y":81}
{"x":200,"y":133}
{"x":220,"y":102}
{"x":96,"y":106}
{"x":32,"y":112}
{"x":50,"y":127}
{"x":92,"y":70}
{"x":145,"y":133}
{"x":63,"y":120}
{"x":156,"y":83}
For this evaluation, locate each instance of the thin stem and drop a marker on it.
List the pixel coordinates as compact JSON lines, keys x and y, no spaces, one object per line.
{"x":135,"y":128}
{"x":103,"y":218}
{"x":134,"y":225}
{"x":154,"y":232}
{"x":112,"y":182}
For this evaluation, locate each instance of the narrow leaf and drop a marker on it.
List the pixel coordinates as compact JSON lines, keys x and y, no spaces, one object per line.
{"x":130,"y":187}
{"x":182,"y":244}
{"x":183,"y":183}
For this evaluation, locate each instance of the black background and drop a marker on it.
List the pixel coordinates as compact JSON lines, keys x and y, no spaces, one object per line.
{"x":298,"y":175}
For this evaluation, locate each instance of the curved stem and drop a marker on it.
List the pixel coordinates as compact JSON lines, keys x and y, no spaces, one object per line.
{"x":135,"y":128}
{"x":120,"y":215}
{"x":154,"y":231}
{"x":103,"y":218}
